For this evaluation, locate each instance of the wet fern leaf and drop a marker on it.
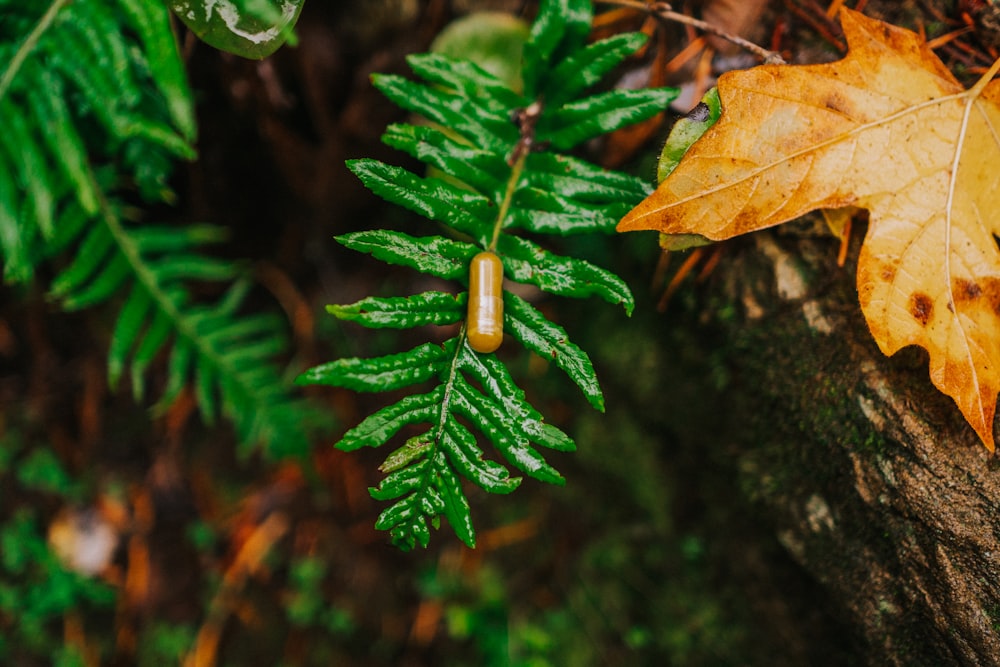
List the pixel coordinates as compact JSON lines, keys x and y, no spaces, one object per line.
{"x":499,"y":167}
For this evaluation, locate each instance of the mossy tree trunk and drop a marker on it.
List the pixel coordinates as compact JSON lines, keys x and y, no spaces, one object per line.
{"x":867,"y":476}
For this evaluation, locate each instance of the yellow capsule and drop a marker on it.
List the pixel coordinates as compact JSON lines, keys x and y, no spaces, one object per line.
{"x":484,"y":326}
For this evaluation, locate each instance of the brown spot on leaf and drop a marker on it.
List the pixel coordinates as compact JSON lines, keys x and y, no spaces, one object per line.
{"x":834,"y":101}
{"x":921,"y":307}
{"x":990,"y":287}
{"x":965,"y":290}
{"x":887,"y":273}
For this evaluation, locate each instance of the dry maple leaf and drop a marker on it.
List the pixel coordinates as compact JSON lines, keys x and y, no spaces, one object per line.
{"x":889,"y":129}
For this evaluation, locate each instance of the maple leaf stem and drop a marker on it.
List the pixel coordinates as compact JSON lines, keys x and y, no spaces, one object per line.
{"x":985,"y":79}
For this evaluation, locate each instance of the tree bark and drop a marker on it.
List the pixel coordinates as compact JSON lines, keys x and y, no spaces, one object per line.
{"x":868,"y":476}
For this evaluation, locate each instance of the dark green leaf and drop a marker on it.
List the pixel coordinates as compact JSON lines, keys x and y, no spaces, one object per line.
{"x":470,"y":79}
{"x":482,"y":170}
{"x":403,"y":512}
{"x":430,"y":254}
{"x":550,"y":342}
{"x":456,"y":506}
{"x":403,"y":481}
{"x":30,"y":166}
{"x":105,"y":283}
{"x":414,"y":448}
{"x":376,"y":429}
{"x":583,"y":69}
{"x":206,"y":388}
{"x":393,"y":371}
{"x":49,"y":109}
{"x":157,"y":334}
{"x":89,"y":258}
{"x":16,"y":254}
{"x":404,"y":312}
{"x":498,"y":386}
{"x":151,"y":21}
{"x":430,"y":197}
{"x":474,"y":122}
{"x":496,"y":425}
{"x":583,"y":181}
{"x":559,"y":29}
{"x":538,"y":210}
{"x":196,"y":267}
{"x":169,"y":239}
{"x":577,"y":122}
{"x":131,"y":320}
{"x":527,"y":262}
{"x":460,"y":445}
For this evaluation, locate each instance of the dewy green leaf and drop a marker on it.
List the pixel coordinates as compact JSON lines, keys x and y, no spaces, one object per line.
{"x":432,"y":198}
{"x":583,"y":69}
{"x":375,"y":430}
{"x":582,"y":181}
{"x":474,"y":82}
{"x":431,"y":254}
{"x":550,"y":342}
{"x":497,"y":385}
{"x":496,"y":426}
{"x":413,"y":449}
{"x":479,"y":168}
{"x":456,"y":506}
{"x":248,"y":28}
{"x":403,"y":312}
{"x":527,"y":262}
{"x":577,"y":122}
{"x":538,"y":210}
{"x":559,"y":30}
{"x":393,"y":371}
{"x":467,"y":116}
{"x":404,"y":480}
{"x":463,"y":453}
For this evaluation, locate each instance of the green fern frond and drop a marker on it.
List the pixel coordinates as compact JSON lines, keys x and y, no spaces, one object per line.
{"x":496,"y":149}
{"x":94,"y":98}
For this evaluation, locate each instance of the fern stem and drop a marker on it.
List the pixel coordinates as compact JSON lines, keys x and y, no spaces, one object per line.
{"x":449,"y":386}
{"x":508,"y":197}
{"x":29,"y":45}
{"x":183,"y":325}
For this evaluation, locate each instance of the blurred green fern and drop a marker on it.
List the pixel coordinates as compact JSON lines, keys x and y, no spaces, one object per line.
{"x":95,"y":107}
{"x":500,"y":153}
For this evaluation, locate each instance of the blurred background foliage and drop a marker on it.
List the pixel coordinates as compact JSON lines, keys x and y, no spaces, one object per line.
{"x":174,"y":548}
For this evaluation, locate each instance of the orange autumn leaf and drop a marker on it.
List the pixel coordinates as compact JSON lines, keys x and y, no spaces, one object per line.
{"x":889,"y":129}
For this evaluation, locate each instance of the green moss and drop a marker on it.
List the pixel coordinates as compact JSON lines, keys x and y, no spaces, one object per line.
{"x":992,"y":612}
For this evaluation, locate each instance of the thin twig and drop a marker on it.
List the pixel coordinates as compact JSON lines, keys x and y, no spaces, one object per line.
{"x":666,"y":12}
